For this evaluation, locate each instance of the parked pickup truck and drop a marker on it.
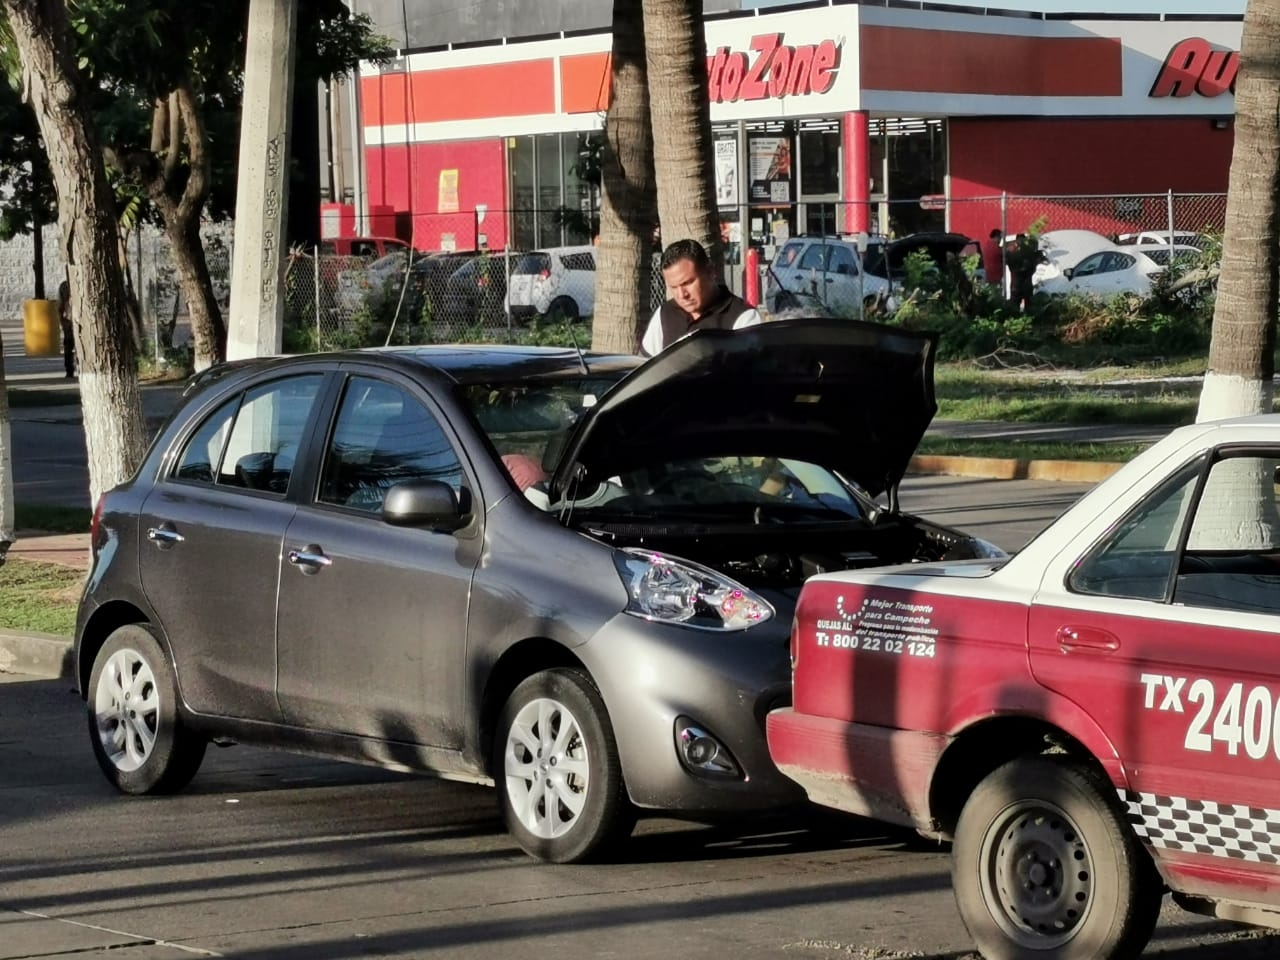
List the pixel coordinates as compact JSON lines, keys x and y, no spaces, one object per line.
{"x":1092,"y":721}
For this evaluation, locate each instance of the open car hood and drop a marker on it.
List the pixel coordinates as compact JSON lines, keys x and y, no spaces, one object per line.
{"x":850,"y":396}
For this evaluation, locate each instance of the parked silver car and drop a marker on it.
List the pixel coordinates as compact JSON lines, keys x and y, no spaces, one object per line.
{"x":570,"y":575}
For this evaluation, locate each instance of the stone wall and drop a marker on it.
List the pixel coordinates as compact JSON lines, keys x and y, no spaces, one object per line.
{"x":149,"y":265}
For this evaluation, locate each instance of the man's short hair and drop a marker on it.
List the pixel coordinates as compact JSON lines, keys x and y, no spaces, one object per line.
{"x":690,"y":250}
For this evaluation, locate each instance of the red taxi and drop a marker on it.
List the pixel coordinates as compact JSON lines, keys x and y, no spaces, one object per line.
{"x":1092,"y":721}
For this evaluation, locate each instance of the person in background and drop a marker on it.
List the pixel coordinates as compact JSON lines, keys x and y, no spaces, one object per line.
{"x":698,"y":299}
{"x":68,"y":334}
{"x":993,"y":257}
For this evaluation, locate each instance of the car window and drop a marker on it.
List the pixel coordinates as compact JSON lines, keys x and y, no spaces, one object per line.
{"x":840,"y":260}
{"x":815,"y":258}
{"x":382,"y":436}
{"x":1159,"y":257}
{"x":787,"y":255}
{"x":253,"y":440}
{"x":1114,"y":262}
{"x":364,"y":248}
{"x":533,"y":263}
{"x":1232,"y":559}
{"x":533,"y":418}
{"x":579,"y":261}
{"x":202,"y":455}
{"x":1089,"y":266}
{"x":1136,"y":559}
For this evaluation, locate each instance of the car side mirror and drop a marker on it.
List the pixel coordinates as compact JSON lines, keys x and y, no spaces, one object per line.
{"x":426,"y":503}
{"x":1069,"y":272}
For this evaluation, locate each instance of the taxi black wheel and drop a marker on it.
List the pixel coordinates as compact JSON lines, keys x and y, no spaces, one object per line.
{"x":1045,"y":866}
{"x":556,"y":767}
{"x":137,"y":733}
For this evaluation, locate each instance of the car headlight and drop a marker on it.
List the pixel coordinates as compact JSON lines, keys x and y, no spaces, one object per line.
{"x":680,"y":591}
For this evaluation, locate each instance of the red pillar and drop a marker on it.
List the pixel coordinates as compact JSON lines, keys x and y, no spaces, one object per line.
{"x":857,"y":172}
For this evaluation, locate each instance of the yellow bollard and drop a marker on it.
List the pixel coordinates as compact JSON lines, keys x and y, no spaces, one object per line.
{"x":41,"y":332}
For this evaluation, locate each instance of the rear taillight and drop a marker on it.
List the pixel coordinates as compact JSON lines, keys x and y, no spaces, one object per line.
{"x":543,"y":274}
{"x":95,"y":524}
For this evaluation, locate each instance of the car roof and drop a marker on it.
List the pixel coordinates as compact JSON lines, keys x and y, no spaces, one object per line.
{"x":462,"y":363}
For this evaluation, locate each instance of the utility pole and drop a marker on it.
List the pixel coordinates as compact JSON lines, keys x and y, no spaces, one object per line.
{"x":262,"y":191}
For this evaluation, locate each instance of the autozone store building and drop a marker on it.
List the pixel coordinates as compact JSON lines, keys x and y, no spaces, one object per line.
{"x":828,"y":119}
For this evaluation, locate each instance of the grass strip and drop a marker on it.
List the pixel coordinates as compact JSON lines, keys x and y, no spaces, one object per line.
{"x":39,"y":597}
{"x":1022,"y":450}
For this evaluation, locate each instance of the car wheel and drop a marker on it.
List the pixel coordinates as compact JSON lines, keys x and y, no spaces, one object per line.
{"x":138,"y":737}
{"x":562,"y":309}
{"x":1044,"y":865}
{"x":556,"y":767}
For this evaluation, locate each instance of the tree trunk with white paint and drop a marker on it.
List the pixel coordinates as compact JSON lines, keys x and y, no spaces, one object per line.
{"x":115,"y":438}
{"x":676,"y":51}
{"x":1241,"y":355}
{"x":628,"y":212}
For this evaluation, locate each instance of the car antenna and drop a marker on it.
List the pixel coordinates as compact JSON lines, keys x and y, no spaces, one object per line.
{"x":582,"y":360}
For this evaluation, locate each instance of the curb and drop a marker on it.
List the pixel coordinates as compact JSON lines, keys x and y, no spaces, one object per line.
{"x":35,"y":654}
{"x":993,"y":468}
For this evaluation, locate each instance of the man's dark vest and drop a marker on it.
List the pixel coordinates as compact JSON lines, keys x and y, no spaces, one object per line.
{"x":720,"y":315}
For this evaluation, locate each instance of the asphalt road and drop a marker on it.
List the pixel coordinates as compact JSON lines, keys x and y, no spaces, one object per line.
{"x":273,"y":856}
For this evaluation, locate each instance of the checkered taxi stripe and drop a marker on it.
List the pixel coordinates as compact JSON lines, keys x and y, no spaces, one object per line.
{"x":1203,"y":826}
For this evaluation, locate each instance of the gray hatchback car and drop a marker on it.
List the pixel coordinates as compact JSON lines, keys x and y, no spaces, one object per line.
{"x":570,"y":575}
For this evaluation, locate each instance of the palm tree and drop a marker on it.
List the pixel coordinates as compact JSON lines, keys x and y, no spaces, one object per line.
{"x":627,"y":205}
{"x":114,"y":433}
{"x":1241,"y":354}
{"x":681,"y":108}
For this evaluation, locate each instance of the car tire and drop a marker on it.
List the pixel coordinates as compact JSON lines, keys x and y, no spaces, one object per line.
{"x":562,"y":309}
{"x":1020,"y":825}
{"x":138,"y":735}
{"x":556,"y":767}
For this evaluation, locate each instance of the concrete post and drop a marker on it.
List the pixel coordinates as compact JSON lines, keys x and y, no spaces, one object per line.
{"x":262,"y":192}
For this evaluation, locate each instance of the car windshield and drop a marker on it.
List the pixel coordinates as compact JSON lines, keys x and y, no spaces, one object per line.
{"x":529,"y":421}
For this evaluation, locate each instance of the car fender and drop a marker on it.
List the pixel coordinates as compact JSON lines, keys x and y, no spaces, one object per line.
{"x":1027,"y":699}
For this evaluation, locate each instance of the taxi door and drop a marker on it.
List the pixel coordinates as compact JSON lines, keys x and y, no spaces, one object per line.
{"x":1166,"y":632}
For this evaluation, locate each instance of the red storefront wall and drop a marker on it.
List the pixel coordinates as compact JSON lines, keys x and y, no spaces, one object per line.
{"x":435,"y":188}
{"x":1087,"y":158}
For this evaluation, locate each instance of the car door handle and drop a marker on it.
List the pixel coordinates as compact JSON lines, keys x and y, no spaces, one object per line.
{"x":1071,"y":639}
{"x":164,"y":536}
{"x":310,"y":559}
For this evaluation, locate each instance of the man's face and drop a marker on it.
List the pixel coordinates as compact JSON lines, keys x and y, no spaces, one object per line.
{"x":691,"y":289}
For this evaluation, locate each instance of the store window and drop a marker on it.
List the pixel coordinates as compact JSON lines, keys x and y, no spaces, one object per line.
{"x":554,"y":189}
{"x":908,"y":161}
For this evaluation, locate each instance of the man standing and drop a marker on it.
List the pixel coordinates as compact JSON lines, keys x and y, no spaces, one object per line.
{"x":68,"y":334}
{"x":698,"y":299}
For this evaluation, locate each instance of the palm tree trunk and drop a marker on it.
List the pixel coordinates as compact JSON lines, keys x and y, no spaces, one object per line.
{"x":115,"y":438}
{"x":676,"y":49}
{"x":1241,"y":354}
{"x":628,"y":211}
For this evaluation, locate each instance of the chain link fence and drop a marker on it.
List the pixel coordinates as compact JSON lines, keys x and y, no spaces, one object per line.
{"x":454,"y":294}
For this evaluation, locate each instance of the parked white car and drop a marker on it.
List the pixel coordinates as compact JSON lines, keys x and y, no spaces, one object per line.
{"x":554,"y":282}
{"x":808,"y":271}
{"x":1121,"y":269}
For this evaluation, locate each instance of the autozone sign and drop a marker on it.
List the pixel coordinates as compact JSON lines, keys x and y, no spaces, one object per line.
{"x":772,"y":69}
{"x":1195,"y":66}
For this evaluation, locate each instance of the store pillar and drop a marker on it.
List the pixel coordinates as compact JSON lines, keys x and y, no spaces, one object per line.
{"x":857,"y":172}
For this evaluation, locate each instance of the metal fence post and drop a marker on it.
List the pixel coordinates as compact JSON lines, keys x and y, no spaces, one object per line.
{"x":316,"y":297}
{"x":1004,"y":237}
{"x":1171,"y":235}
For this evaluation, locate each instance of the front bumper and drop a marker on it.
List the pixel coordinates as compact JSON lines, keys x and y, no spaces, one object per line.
{"x":872,"y":771}
{"x":650,"y":674}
